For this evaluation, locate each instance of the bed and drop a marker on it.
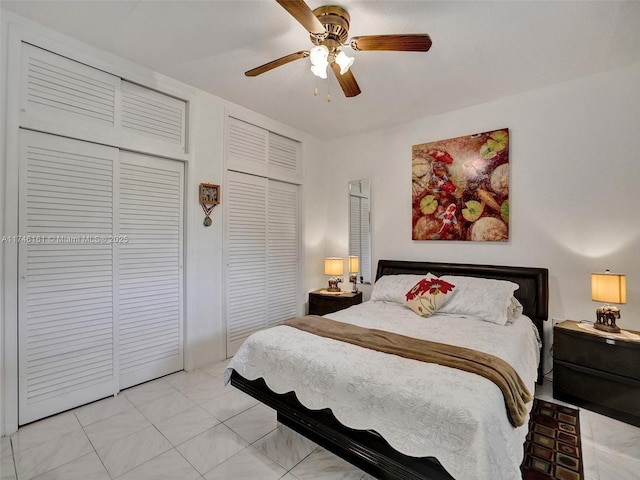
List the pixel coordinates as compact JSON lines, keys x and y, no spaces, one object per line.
{"x":407,"y":419}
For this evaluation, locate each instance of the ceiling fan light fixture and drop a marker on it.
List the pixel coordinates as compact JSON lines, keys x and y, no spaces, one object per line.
{"x":344,"y":62}
{"x":319,"y":70}
{"x":319,"y":55}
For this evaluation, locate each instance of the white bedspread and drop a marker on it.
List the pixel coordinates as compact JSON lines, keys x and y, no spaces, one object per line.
{"x":421,"y":409}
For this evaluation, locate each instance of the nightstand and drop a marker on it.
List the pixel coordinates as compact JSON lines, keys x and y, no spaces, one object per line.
{"x":322,"y":302}
{"x":597,"y":371}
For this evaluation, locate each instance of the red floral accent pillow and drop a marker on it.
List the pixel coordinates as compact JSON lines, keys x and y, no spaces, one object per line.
{"x":428,"y":295}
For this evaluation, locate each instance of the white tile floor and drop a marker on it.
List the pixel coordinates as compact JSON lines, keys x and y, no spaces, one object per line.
{"x":188,"y":426}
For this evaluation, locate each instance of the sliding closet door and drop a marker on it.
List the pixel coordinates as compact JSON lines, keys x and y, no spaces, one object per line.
{"x":246,"y":251}
{"x":262,"y":274}
{"x":282,"y":252}
{"x":101,"y":275}
{"x":150,"y":268}
{"x":66,"y":298}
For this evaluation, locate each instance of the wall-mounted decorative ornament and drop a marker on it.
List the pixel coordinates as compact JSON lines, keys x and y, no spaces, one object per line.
{"x":209,"y":198}
{"x":460,"y":188}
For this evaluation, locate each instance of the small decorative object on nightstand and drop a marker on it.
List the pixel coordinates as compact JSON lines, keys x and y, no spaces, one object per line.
{"x":335,"y":267}
{"x":354,"y":268}
{"x":609,"y":288}
{"x":322,"y":302}
{"x":597,"y":370}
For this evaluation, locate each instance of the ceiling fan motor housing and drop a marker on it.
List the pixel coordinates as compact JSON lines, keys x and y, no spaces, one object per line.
{"x":336,"y":22}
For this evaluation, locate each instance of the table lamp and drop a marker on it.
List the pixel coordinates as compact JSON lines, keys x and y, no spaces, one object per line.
{"x":354,"y":268}
{"x":335,"y":267}
{"x":609,"y":288}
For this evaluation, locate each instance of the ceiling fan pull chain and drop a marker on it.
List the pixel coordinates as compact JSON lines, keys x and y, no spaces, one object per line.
{"x":328,"y":92}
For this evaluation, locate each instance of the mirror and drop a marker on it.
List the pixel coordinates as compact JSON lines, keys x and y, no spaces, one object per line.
{"x":360,"y":226}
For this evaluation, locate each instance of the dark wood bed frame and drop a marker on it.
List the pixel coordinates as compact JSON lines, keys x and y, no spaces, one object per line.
{"x":366,"y":449}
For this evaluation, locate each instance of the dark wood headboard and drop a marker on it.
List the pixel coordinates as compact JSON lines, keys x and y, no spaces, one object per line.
{"x":533,"y":292}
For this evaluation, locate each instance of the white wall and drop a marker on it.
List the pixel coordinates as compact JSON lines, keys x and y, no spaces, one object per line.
{"x":204,"y":326}
{"x":3,"y":118}
{"x":575,"y":170}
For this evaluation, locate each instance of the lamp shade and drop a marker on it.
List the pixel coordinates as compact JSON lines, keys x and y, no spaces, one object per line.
{"x":318,"y":55}
{"x":354,"y":264}
{"x":608,"y":287}
{"x":344,"y":62}
{"x":319,"y":71}
{"x":333,"y":266}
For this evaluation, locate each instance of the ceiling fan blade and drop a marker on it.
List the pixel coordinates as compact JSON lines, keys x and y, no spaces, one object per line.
{"x":347,"y":81}
{"x":414,"y":42}
{"x":303,"y":14}
{"x":276,"y":63}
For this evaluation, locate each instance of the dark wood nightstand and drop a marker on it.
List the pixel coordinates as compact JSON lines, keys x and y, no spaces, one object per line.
{"x":322,"y":303}
{"x":597,"y":372}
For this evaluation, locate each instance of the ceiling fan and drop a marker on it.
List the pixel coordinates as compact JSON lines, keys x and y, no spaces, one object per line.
{"x":328,"y":27}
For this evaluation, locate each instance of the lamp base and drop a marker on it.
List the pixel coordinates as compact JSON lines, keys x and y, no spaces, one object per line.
{"x":606,"y":328}
{"x":333,"y":285}
{"x":353,"y":278}
{"x":606,"y":319}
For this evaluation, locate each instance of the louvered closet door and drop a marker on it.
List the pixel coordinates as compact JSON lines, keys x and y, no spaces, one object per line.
{"x":282,"y":252}
{"x":150,"y":300}
{"x":246,"y":253}
{"x":284,"y":155}
{"x":100,"y":266}
{"x":262,"y":247}
{"x":247,"y":147}
{"x":152,"y":120}
{"x":66,"y":325}
{"x":61,"y":96}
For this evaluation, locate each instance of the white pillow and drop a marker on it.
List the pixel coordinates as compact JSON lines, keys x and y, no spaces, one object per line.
{"x":514,"y":310}
{"x":485,"y":298}
{"x":393,"y":288}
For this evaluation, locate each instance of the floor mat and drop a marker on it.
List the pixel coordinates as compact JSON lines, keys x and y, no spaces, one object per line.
{"x":552,"y":448}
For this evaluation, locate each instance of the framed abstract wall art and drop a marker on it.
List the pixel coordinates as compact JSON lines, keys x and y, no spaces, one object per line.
{"x":460,"y":188}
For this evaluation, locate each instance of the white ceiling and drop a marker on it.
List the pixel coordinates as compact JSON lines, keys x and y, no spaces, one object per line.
{"x":481,"y":50}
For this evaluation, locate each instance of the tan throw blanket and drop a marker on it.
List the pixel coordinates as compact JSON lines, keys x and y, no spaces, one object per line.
{"x":516,"y":395}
